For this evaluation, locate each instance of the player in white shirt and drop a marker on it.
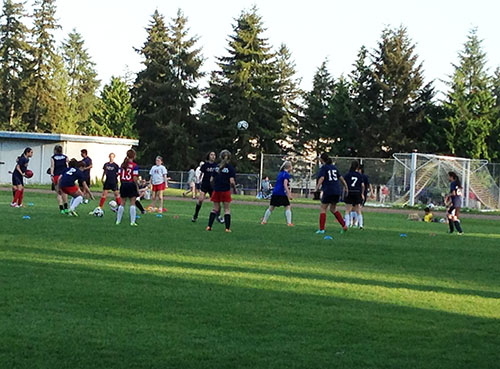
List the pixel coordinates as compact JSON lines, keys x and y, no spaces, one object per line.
{"x":159,"y":180}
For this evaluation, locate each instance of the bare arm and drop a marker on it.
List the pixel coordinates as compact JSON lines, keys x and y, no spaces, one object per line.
{"x":319,"y":183}
{"x":363,"y":187}
{"x":344,"y":183}
{"x":233,"y":184}
{"x":287,"y":189}
{"x":52,"y":166}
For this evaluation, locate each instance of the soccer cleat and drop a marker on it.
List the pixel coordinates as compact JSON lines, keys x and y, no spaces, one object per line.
{"x":73,"y":213}
{"x":208,"y":228}
{"x":263,"y":222}
{"x":86,"y":201}
{"x":133,"y":224}
{"x":460,"y":233}
{"x":228,"y":230}
{"x":220,"y":219}
{"x":361,"y":228}
{"x":344,"y":228}
{"x":320,"y":231}
{"x":63,"y":212}
{"x":194,"y":219}
{"x":14,"y":205}
{"x":117,"y":223}
{"x":291,"y":225}
{"x":66,"y":211}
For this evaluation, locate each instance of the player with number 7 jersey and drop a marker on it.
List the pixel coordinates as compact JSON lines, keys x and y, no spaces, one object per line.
{"x":129,"y":189}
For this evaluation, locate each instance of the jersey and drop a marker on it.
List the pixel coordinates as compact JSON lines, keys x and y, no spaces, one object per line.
{"x":69,"y":176}
{"x":60,"y":163}
{"x":331,"y":181}
{"x":208,"y":170}
{"x":457,"y":198}
{"x":354,"y":181}
{"x":111,"y":171}
{"x":88,"y":162}
{"x":157,"y":173}
{"x":222,"y":177}
{"x":128,"y":173}
{"x":279,"y":188}
{"x":22,"y":161}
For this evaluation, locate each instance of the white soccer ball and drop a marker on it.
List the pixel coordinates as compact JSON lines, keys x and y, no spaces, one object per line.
{"x":98,"y":212}
{"x":242,"y":125}
{"x":113,"y":205}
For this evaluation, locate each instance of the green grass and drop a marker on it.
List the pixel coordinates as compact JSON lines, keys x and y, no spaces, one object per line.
{"x":84,"y":293}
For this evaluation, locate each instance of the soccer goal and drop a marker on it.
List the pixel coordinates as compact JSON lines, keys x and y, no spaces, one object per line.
{"x":423,"y":178}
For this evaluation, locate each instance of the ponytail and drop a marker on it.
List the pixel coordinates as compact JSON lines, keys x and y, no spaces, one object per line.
{"x":326,"y":158}
{"x":27,"y":150}
{"x":130,"y":156}
{"x":455,"y":178}
{"x":354,"y":166}
{"x":286,"y":165}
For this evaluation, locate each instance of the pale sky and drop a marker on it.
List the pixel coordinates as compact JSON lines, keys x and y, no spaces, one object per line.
{"x":312,"y":29}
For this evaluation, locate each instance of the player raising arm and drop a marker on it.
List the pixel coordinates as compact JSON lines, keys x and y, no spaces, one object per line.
{"x":329,"y":181}
{"x":129,"y":189}
{"x":281,"y":194}
{"x":67,"y":185}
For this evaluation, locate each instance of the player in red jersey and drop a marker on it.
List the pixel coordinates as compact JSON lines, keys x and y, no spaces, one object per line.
{"x":129,"y":189}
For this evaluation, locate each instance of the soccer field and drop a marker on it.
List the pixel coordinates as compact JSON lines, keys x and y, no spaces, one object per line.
{"x":85,"y":293}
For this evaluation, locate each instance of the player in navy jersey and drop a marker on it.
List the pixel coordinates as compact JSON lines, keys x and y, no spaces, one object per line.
{"x":356,"y":195}
{"x":368,"y":189}
{"x":281,"y":194}
{"x":329,"y":180}
{"x":86,"y":170}
{"x":129,"y":188}
{"x":223,"y":180}
{"x":18,"y":177}
{"x":110,"y":180}
{"x":67,"y":184}
{"x":58,"y":165}
{"x":454,"y":202}
{"x":207,"y":172}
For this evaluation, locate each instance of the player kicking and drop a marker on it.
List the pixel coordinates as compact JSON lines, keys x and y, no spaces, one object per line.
{"x":110,"y":172}
{"x":281,"y":194}
{"x":67,"y":185}
{"x":356,"y":195}
{"x":223,"y":180}
{"x":207,"y":172}
{"x":58,"y":165}
{"x":18,"y":177}
{"x":129,"y":189}
{"x":454,"y":203}
{"x":329,"y":181}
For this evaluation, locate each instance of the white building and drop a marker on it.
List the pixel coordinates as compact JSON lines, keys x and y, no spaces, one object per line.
{"x":12,"y":144}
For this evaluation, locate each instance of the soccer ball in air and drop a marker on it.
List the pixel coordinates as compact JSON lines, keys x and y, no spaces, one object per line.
{"x":242,"y":125}
{"x":113,"y":205}
{"x":98,"y":212}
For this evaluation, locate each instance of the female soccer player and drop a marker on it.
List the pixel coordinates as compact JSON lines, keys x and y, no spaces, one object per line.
{"x":191,"y":183}
{"x":207,"y":171}
{"x":129,"y":189}
{"x":67,"y":185}
{"x":356,"y":195}
{"x":281,"y":194}
{"x":223,"y":180}
{"x":329,"y":181}
{"x":58,"y":165}
{"x":18,"y":175}
{"x":110,"y":172}
{"x":454,"y":202}
{"x":159,"y":180}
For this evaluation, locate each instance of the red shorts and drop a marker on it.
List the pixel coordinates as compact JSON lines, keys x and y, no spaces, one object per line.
{"x":159,"y":187}
{"x":221,"y":196}
{"x":70,"y":190}
{"x":55,"y":179}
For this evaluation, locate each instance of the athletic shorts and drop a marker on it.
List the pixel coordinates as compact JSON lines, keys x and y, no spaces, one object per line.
{"x":86,"y":180}
{"x":17,"y":179}
{"x":159,"y":187}
{"x":221,"y":196}
{"x":197,"y":186}
{"x":354,"y":199}
{"x":279,"y":200}
{"x":330,"y":199}
{"x":206,"y":189}
{"x":110,"y":186}
{"x":128,"y":190}
{"x":55,"y":179}
{"x":70,"y":190}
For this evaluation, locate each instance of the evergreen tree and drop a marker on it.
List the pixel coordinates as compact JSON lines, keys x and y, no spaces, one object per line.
{"x":315,"y":134}
{"x":58,"y":112}
{"x":114,"y":109}
{"x":473,"y":115}
{"x":245,"y":88}
{"x":82,"y":84}
{"x":494,"y":139}
{"x":14,"y":60}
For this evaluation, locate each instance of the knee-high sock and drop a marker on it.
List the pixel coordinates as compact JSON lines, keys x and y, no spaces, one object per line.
{"x":139,"y":206}
{"x":16,"y":196}
{"x":339,"y":218}
{"x":118,"y":200}
{"x":458,"y":226}
{"x":354,"y":217}
{"x":211,"y":219}
{"x":267,"y":214}
{"x":360,"y":220}
{"x":450,"y":223}
{"x":76,"y":201}
{"x":133,"y":213}
{"x":227,"y":221}
{"x":101,"y":201}
{"x":322,"y":221}
{"x":20,"y":198}
{"x":288,"y":215}
{"x":197,"y":210}
{"x":347,"y":219}
{"x":119,"y":213}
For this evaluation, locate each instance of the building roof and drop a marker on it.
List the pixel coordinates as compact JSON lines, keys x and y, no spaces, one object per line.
{"x":63,"y":137}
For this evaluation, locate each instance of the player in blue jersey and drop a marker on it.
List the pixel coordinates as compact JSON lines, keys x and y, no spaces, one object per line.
{"x":67,"y":184}
{"x":223,"y":180}
{"x":18,"y":177}
{"x":86,"y":170}
{"x":110,"y":180}
{"x":368,"y":189}
{"x":329,"y":180}
{"x":354,"y":199}
{"x":281,"y":194}
{"x":58,"y":165}
{"x":207,"y":171}
{"x":454,"y":202}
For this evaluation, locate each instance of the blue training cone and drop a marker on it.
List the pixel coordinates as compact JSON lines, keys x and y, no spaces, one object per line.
{"x":26,"y":217}
{"x":328,"y":238}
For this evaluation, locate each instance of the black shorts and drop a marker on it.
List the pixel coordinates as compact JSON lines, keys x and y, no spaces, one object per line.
{"x":17,"y":179}
{"x":206,"y":188}
{"x":330,"y":199}
{"x":279,"y":200}
{"x":110,"y":186}
{"x":128,"y":190}
{"x":86,"y":180}
{"x":354,"y":199}
{"x":197,"y":186}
